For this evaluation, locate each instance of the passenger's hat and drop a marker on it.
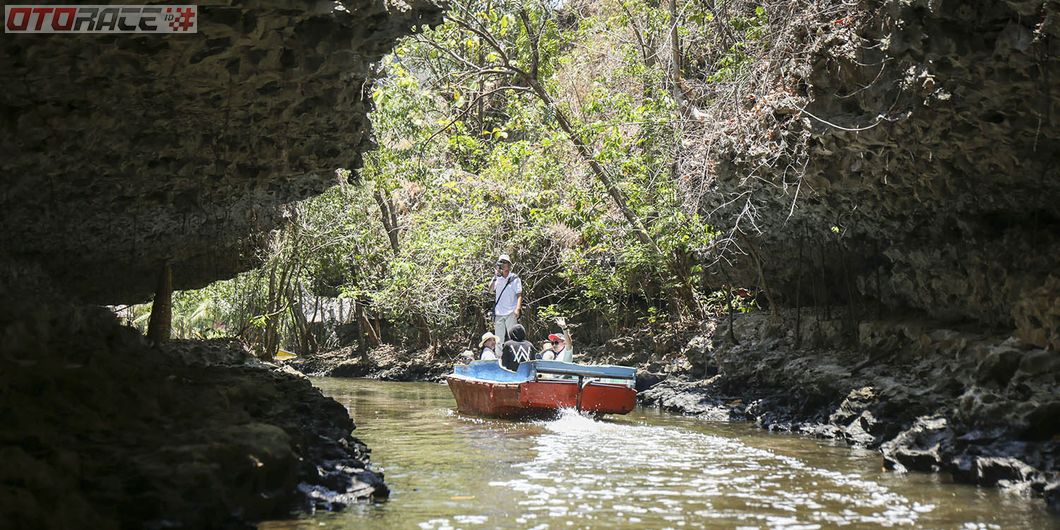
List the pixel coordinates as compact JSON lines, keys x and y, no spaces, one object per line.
{"x":486,"y":336}
{"x":558,"y":336}
{"x":504,"y":259}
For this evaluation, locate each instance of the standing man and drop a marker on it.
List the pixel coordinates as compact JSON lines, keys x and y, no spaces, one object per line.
{"x":507,"y":289}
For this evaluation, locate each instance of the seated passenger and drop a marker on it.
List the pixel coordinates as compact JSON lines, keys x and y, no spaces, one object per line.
{"x":488,"y":345}
{"x":517,"y":349}
{"x":562,"y":344}
{"x":546,"y":353}
{"x":466,"y":357}
{"x":564,"y":351}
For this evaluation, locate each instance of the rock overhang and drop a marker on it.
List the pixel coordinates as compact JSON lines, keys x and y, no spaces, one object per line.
{"x":123,"y":151}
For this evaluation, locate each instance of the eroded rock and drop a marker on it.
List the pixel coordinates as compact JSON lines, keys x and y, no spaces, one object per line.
{"x":120,"y":151}
{"x":932,"y":167}
{"x":979,"y":406}
{"x":919,"y":448}
{"x":103,"y":431}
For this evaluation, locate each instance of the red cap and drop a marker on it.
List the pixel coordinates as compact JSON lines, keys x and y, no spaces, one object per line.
{"x":557,"y":336}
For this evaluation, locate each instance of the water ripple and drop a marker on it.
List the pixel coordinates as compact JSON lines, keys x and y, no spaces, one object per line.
{"x":644,"y":470}
{"x":586,"y":469}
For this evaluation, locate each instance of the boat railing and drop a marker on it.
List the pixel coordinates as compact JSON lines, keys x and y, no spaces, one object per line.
{"x":585,"y":374}
{"x":562,"y":368}
{"x":549,"y":371}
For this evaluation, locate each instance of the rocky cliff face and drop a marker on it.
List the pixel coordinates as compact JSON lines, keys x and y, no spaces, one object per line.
{"x":103,"y":431}
{"x":895,"y":190}
{"x":121,"y":151}
{"x":932,"y":168}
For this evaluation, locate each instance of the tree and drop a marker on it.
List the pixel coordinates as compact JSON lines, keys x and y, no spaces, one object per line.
{"x":516,"y":60}
{"x":548,"y":133}
{"x":159,"y":329}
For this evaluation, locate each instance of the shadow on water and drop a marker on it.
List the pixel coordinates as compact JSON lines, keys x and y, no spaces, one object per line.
{"x":644,"y":470}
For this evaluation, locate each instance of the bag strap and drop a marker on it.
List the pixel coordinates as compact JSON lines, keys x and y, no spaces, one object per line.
{"x":498,"y":299}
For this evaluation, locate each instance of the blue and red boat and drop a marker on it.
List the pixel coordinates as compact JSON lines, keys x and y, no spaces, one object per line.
{"x":541,"y":388}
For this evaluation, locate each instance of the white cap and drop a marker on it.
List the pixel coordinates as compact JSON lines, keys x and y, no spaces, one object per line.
{"x":504,"y":258}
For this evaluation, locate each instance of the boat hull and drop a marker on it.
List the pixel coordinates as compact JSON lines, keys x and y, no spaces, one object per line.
{"x":540,"y":398}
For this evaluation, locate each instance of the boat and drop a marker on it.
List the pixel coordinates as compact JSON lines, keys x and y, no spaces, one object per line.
{"x":541,"y":389}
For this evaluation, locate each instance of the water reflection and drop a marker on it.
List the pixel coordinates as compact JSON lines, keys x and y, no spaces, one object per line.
{"x":587,"y":470}
{"x":644,"y":470}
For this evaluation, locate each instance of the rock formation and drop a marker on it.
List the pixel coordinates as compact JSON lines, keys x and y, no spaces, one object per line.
{"x":121,"y":151}
{"x":103,"y":431}
{"x":978,"y":405}
{"x":909,"y":235}
{"x":932,"y":166}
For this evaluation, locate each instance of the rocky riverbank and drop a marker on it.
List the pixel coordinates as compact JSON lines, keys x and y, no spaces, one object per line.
{"x":386,"y":362}
{"x":975,"y":403}
{"x":978,"y":405}
{"x":101,"y":430}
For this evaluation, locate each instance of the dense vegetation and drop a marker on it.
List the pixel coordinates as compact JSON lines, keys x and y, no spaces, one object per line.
{"x":547,"y":130}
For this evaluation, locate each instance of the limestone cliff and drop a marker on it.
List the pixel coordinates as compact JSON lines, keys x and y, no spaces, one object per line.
{"x":928,"y":133}
{"x":120,"y":151}
{"x":894,"y":192}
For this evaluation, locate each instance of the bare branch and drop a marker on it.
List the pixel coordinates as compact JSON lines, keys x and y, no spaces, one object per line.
{"x":471,"y":106}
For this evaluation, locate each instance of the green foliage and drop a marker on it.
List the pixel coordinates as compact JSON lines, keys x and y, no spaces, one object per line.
{"x":740,"y":300}
{"x":750,"y":29}
{"x":473,"y":165}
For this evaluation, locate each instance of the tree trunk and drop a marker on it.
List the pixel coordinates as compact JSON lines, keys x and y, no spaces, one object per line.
{"x":389,"y":217}
{"x":761,"y":277}
{"x":675,"y":57}
{"x":268,"y":347}
{"x":277,"y":295}
{"x":798,"y":299}
{"x":161,"y":323}
{"x":601,"y":174}
{"x":301,"y":324}
{"x":368,"y":333}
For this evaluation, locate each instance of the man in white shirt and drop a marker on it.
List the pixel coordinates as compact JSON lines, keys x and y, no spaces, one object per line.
{"x":507,"y":290}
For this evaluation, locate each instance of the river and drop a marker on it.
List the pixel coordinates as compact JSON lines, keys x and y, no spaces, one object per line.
{"x":644,"y":470}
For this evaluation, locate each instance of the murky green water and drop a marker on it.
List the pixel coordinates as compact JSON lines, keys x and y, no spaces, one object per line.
{"x":643,"y":470}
